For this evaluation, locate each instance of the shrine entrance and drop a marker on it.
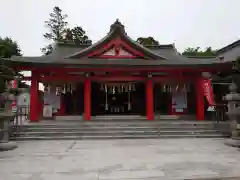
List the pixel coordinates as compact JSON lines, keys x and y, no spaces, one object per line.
{"x":121,"y":98}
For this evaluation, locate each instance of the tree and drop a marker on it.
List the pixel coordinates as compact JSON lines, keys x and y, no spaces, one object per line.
{"x":147,"y":41}
{"x":8,"y":48}
{"x":79,"y":36}
{"x":57,"y":26}
{"x":59,"y":32}
{"x":197,"y":52}
{"x":76,"y":35}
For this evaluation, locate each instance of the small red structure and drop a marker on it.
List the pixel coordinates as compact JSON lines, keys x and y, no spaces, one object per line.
{"x":119,"y":76}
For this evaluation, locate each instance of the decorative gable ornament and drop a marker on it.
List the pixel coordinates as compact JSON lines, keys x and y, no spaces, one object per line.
{"x":117,"y":52}
{"x":116,"y":45}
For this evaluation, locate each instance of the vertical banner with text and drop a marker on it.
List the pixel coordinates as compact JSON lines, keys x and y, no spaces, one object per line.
{"x":13,"y":85}
{"x":208,"y":91}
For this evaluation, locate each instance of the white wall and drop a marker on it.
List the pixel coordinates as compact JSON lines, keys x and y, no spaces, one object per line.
{"x":232,"y":54}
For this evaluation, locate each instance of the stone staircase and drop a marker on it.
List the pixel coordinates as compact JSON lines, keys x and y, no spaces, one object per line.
{"x":116,"y":129}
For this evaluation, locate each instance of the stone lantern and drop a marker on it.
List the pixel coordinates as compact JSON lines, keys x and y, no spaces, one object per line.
{"x":8,"y":96}
{"x":233,"y":113}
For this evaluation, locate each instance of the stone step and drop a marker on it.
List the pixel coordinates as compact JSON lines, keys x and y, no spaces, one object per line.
{"x":96,"y":128}
{"x":24,"y":138}
{"x":118,"y":129}
{"x":123,"y":123}
{"x":118,"y":132}
{"x":123,"y":117}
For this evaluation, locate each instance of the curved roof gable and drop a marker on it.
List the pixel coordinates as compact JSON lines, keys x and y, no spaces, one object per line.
{"x":117,"y":45}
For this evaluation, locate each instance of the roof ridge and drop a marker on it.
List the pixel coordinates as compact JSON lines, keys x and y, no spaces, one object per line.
{"x":71,"y":43}
{"x":170,"y":46}
{"x":116,"y":29}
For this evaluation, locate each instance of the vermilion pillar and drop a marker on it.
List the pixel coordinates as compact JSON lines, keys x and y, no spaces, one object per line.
{"x":34,"y":98}
{"x":87,"y":99}
{"x":149,"y":100}
{"x":199,"y":99}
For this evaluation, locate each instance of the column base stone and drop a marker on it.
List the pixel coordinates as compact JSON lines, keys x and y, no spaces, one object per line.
{"x":6,"y":146}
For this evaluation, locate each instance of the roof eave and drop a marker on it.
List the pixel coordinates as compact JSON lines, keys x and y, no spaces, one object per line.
{"x":228,"y":47}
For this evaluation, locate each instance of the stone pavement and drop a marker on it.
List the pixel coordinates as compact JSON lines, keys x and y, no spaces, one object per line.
{"x":120,"y":160}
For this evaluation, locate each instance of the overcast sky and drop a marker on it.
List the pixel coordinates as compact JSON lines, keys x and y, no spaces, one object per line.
{"x":187,"y":23}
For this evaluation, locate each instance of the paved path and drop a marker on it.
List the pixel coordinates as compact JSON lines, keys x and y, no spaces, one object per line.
{"x":120,"y":160}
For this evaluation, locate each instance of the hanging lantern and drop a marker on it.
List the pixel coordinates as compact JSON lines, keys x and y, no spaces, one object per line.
{"x":109,"y":89}
{"x":188,"y":87}
{"x":122,"y":87}
{"x":129,"y":87}
{"x":58,"y":90}
{"x":73,"y":87}
{"x":133,"y":87}
{"x":105,"y":88}
{"x":129,"y":100}
{"x":119,"y":88}
{"x":46,"y":88}
{"x":64,"y":89}
{"x":170,"y":88}
{"x":184,"y":88}
{"x":177,"y":87}
{"x":167,"y":88}
{"x":113,"y":90}
{"x":67,"y":88}
{"x":106,"y":97}
{"x":164,"y":88}
{"x":126,"y":88}
{"x":101,"y":88}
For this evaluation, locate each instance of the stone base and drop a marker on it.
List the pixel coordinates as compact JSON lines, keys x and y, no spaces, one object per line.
{"x":6,"y":146}
{"x":233,"y":143}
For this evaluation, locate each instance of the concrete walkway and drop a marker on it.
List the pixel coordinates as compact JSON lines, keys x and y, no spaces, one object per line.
{"x":120,"y":160}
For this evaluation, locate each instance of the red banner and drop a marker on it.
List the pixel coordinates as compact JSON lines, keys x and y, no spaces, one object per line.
{"x":208,"y":91}
{"x":14,"y":102}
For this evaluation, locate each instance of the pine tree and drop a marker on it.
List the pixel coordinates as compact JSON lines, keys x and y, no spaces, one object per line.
{"x":57,"y":26}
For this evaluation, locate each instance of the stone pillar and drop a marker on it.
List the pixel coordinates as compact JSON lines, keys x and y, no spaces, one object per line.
{"x":199,"y":100}
{"x":34,"y":98}
{"x":149,"y":100}
{"x":87,"y":99}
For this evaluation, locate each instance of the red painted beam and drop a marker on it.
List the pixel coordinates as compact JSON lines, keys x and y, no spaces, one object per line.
{"x":125,"y":69}
{"x":117,"y":78}
{"x":112,"y":78}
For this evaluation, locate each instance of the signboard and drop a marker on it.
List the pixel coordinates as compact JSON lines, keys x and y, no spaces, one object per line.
{"x":179,"y":102}
{"x":47,"y":111}
{"x":14,"y":106}
{"x":208,"y":91}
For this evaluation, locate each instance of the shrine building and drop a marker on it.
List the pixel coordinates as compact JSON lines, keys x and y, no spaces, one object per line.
{"x":118,"y":76}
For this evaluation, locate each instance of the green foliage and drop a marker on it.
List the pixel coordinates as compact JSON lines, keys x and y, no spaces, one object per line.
{"x":57,"y":26}
{"x":59,"y":31}
{"x":8,"y":48}
{"x":76,"y":35}
{"x":5,"y":74}
{"x":47,"y":49}
{"x":79,"y":36}
{"x":208,"y":52}
{"x":147,"y":41}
